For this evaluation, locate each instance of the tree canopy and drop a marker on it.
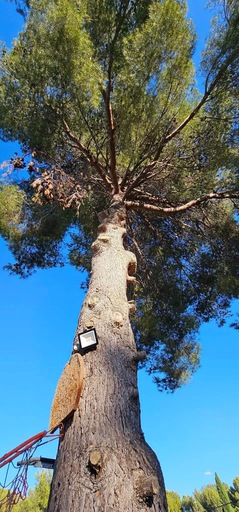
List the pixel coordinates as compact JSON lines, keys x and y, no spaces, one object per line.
{"x":102,"y":97}
{"x":212,"y":497}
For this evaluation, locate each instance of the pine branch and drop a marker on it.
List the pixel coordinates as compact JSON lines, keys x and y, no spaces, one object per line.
{"x":147,"y":197}
{"x":92,"y":134}
{"x":209,"y":89}
{"x":207,"y":92}
{"x":146,"y":174}
{"x":106,"y":96}
{"x":111,"y":130}
{"x":93,"y":162}
{"x":141,"y":205}
{"x":145,"y":154}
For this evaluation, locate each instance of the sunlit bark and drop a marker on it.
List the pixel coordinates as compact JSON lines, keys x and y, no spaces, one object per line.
{"x":104,"y":463}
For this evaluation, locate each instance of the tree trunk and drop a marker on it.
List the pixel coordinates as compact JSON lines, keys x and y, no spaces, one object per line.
{"x":103,"y":462}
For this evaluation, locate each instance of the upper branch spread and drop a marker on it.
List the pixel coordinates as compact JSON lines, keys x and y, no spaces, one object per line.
{"x":90,"y":158}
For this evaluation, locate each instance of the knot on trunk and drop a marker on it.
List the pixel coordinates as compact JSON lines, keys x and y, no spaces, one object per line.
{"x":117,"y":318}
{"x":140,"y":356}
{"x":102,"y":216}
{"x":134,"y":393}
{"x":146,"y":488}
{"x":102,"y":240}
{"x":132,"y":306}
{"x":132,"y":266}
{"x":92,"y":302}
{"x":95,"y":461}
{"x":116,"y":214}
{"x":131,"y":279}
{"x":89,"y":322}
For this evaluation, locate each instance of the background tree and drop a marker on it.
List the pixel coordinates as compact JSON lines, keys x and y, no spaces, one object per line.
{"x":102,"y":98}
{"x":208,"y":497}
{"x":191,"y":504}
{"x":223,"y":493}
{"x":11,"y":202}
{"x":211,"y":498}
{"x":234,"y":493}
{"x":38,"y":496}
{"x":174,"y":501}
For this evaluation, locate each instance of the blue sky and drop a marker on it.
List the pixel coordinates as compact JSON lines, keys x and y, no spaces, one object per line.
{"x":194,"y":432}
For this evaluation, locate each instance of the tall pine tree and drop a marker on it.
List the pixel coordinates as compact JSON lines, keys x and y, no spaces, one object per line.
{"x":115,"y":137}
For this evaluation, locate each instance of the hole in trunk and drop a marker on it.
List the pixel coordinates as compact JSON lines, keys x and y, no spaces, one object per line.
{"x":149,"y":501}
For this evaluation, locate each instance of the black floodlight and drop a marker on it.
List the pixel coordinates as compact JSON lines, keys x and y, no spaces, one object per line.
{"x":38,"y":462}
{"x":87,"y":341}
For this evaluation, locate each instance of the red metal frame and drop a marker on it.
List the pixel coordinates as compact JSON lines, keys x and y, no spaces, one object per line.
{"x":21,"y":448}
{"x":8,"y":457}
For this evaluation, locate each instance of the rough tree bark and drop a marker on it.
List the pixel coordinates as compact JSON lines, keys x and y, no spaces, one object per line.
{"x":103,"y":462}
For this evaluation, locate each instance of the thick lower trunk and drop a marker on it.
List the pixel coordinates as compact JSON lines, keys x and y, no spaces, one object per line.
{"x":103,"y":463}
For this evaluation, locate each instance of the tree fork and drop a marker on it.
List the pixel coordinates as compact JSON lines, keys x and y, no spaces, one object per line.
{"x":103,"y":462}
